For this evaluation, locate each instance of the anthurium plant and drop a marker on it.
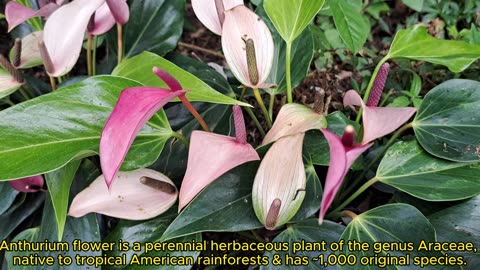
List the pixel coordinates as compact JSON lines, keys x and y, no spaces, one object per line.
{"x":266,"y":121}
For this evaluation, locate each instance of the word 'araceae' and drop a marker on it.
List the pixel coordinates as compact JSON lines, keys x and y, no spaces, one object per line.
{"x":211,"y":12}
{"x":138,"y":195}
{"x":211,"y":155}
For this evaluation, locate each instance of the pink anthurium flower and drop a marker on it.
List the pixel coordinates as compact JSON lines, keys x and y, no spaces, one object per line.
{"x":343,"y":153}
{"x":29,"y":184}
{"x":138,"y":195}
{"x":378,"y":121}
{"x":248,"y":47}
{"x":135,"y":106}
{"x":211,"y":12}
{"x":16,"y":13}
{"x":65,"y":29}
{"x":211,"y":155}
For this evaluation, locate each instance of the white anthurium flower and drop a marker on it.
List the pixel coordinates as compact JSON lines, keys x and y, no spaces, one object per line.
{"x":279,"y":186}
{"x":137,"y":195}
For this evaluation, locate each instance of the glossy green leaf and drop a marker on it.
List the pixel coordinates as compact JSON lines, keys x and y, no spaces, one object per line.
{"x":217,"y":207}
{"x":58,"y":183}
{"x":45,"y":133}
{"x":382,"y":225}
{"x":407,"y":167}
{"x":139,"y":68}
{"x":291,"y":17}
{"x":310,"y":232}
{"x":416,"y":5}
{"x":447,"y":124}
{"x":416,"y":44}
{"x":148,"y":231}
{"x":85,"y":228}
{"x":302,"y":54}
{"x":29,"y":235}
{"x":315,"y":146}
{"x":24,"y":206}
{"x":460,"y":224}
{"x":313,"y":195}
{"x":352,"y":25}
{"x":154,"y":26}
{"x":7,"y":196}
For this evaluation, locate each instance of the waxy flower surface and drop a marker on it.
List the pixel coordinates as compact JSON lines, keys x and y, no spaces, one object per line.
{"x":137,"y":195}
{"x":211,"y":12}
{"x":248,"y":47}
{"x":134,"y":108}
{"x":211,"y":155}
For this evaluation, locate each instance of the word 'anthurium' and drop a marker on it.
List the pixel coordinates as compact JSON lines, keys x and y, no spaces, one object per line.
{"x":248,"y":46}
{"x":377,"y":122}
{"x":211,"y":155}
{"x":29,"y":184}
{"x":138,"y":195}
{"x":211,"y":12}
{"x":65,"y":29}
{"x":135,"y":106}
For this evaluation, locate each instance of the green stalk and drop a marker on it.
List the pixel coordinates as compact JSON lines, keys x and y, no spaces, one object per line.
{"x":270,"y":105}
{"x":180,"y":137}
{"x":256,"y":92}
{"x":255,"y":121}
{"x":94,"y":56}
{"x":89,"y":55}
{"x":288,"y":72}
{"x":355,"y":195}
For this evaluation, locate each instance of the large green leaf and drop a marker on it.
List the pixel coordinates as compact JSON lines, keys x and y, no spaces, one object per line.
{"x":447,"y":124}
{"x":154,"y":26}
{"x":416,"y":5}
{"x":139,"y":68}
{"x":352,"y":25}
{"x":29,"y":235}
{"x":148,"y":231}
{"x":290,"y":17}
{"x":382,"y":225}
{"x":58,"y":183}
{"x":85,"y":228}
{"x":218,"y":206}
{"x":310,"y":232}
{"x":7,"y":196}
{"x":45,"y":133}
{"x":416,"y":44}
{"x":460,"y":224}
{"x":302,"y":54}
{"x":407,"y":167}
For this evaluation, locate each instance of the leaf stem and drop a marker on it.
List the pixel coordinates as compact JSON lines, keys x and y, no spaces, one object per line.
{"x":94,"y":56}
{"x":270,"y":105}
{"x":288,"y":72}
{"x":194,"y":112}
{"x":255,"y":121}
{"x":355,"y":195}
{"x":201,"y":49}
{"x":120,"y":42}
{"x":181,"y":138}
{"x":53,"y":83}
{"x":256,"y":92}
{"x":380,"y":155}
